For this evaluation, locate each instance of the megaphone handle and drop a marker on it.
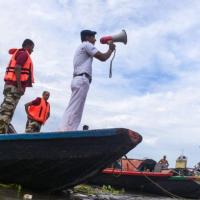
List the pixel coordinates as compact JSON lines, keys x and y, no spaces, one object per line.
{"x":110,"y":73}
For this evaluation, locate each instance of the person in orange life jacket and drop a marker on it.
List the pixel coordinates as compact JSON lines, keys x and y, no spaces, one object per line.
{"x":18,"y":76}
{"x":82,"y":78}
{"x":38,"y":111}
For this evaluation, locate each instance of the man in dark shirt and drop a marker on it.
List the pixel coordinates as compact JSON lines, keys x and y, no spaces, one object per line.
{"x":18,"y":76}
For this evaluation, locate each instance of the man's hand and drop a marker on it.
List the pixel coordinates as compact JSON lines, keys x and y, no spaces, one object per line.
{"x":20,"y":90}
{"x":18,"y":73}
{"x":104,"y":56}
{"x":29,"y":117}
{"x":112,"y":46}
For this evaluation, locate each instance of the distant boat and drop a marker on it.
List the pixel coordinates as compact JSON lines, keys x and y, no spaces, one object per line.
{"x":52,"y":161}
{"x":166,"y":182}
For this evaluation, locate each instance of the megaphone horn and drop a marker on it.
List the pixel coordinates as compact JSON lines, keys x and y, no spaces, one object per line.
{"x":120,"y":37}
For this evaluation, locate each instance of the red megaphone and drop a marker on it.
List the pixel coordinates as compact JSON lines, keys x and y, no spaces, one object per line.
{"x":120,"y":37}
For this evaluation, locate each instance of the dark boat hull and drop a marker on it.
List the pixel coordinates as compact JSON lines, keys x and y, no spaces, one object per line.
{"x":154,"y":183}
{"x":52,"y":161}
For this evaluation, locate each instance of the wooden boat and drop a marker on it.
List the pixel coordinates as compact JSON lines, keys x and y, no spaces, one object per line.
{"x":52,"y":161}
{"x":166,"y":182}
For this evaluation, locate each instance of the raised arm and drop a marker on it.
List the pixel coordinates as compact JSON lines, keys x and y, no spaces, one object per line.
{"x":104,"y":56}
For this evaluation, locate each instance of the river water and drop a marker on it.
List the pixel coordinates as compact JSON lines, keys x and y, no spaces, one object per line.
{"x":13,"y":194}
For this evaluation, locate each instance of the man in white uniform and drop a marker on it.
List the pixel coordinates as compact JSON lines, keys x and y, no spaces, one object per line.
{"x":82,"y":78}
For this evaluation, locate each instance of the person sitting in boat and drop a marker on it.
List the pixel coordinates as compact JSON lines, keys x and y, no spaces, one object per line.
{"x":38,"y":111}
{"x":197,"y":168}
{"x":147,"y":165}
{"x":85,"y":127}
{"x":117,"y":164}
{"x":163,"y":163}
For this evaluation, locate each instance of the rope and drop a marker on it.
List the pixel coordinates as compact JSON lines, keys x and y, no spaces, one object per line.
{"x":156,"y":184}
{"x":110,"y":73}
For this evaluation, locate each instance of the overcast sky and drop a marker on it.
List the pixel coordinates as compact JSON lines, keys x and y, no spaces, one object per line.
{"x":155,"y":88}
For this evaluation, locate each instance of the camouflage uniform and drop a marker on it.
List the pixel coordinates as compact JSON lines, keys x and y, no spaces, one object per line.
{"x":7,"y":108}
{"x":32,"y":126}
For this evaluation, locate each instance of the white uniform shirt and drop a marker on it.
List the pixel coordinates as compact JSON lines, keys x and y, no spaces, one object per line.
{"x":83,"y":58}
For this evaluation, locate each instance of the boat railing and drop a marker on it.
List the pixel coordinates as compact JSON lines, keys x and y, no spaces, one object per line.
{"x":185,"y":171}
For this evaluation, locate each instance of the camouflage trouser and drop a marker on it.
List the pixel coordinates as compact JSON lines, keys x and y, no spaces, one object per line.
{"x":7,"y":108}
{"x":32,"y":126}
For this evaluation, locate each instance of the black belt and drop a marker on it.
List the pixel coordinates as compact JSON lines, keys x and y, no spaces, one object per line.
{"x":86,"y":75}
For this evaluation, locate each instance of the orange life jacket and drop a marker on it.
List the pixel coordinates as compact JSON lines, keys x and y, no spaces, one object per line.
{"x":39,"y":112}
{"x":26,"y":70}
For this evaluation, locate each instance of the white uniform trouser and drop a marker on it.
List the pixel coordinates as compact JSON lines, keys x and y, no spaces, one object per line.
{"x":73,"y":113}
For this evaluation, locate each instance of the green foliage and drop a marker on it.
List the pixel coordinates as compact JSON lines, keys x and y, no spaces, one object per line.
{"x":111,"y":190}
{"x":11,"y":186}
{"x":16,"y":187}
{"x":87,"y":189}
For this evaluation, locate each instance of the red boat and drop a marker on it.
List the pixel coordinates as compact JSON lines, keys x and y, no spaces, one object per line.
{"x":137,"y":175}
